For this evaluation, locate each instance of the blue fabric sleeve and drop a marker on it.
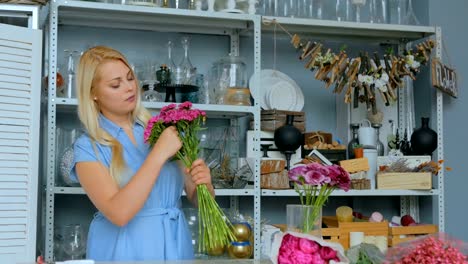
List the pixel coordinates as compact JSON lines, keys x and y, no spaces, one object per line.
{"x":83,"y":151}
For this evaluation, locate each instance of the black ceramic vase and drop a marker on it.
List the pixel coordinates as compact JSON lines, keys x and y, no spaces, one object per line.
{"x":424,"y":139}
{"x":288,"y":139}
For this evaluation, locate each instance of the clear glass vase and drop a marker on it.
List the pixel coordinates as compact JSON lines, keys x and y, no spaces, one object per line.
{"x":304,"y":219}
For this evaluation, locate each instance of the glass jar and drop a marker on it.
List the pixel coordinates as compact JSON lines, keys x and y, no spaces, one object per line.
{"x":232,"y":81}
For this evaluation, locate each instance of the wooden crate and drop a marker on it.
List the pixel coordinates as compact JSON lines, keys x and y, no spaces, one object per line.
{"x":270,"y":120}
{"x":311,"y":137}
{"x":369,"y":229}
{"x":400,"y":234}
{"x":404,"y":180}
{"x":331,"y":234}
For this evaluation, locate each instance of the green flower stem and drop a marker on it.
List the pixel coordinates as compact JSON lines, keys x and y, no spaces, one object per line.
{"x":214,"y":228}
{"x":315,"y":196}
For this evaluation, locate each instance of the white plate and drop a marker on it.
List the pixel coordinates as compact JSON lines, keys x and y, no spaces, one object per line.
{"x":267,"y":79}
{"x":300,"y":96}
{"x":282,"y":96}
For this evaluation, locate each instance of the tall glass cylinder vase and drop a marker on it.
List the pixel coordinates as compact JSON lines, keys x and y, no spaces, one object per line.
{"x":304,"y":219}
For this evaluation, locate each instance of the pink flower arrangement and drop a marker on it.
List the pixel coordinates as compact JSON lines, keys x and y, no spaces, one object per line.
{"x":214,"y":230}
{"x":432,"y":249}
{"x":314,"y":183}
{"x":187,"y":121}
{"x":297,"y":250}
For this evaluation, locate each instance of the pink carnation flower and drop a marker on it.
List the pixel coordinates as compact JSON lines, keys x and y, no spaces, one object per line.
{"x":308,"y":246}
{"x":327,"y":253}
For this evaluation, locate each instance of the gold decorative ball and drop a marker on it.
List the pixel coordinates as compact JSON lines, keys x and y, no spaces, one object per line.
{"x":242,"y":232}
{"x":240,"y":250}
{"x":216,"y":251}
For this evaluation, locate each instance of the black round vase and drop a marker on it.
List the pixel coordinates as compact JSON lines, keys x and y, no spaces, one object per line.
{"x":288,"y":138}
{"x":424,"y":139}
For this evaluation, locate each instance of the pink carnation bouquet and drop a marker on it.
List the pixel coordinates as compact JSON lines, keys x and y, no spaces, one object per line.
{"x":432,"y":249}
{"x":214,"y":229}
{"x":314,"y":183}
{"x":299,"y":248}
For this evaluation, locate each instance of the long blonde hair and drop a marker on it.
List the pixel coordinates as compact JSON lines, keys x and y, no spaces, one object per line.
{"x":88,"y":109}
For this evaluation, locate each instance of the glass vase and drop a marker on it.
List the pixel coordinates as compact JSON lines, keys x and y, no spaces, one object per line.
{"x":304,"y":219}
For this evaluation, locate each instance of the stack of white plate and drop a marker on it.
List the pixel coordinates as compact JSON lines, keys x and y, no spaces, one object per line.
{"x":276,"y":90}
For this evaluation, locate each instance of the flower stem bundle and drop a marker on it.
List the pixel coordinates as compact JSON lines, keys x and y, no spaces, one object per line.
{"x":215,"y":230}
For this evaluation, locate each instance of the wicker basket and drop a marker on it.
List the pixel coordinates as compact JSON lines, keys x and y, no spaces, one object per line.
{"x":24,"y":2}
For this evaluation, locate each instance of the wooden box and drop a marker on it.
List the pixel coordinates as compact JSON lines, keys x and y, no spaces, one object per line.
{"x":333,"y":155}
{"x":404,"y":180}
{"x":311,"y":137}
{"x":331,"y":234}
{"x":369,"y":229}
{"x":270,"y":120}
{"x":400,"y":234}
{"x":275,"y":180}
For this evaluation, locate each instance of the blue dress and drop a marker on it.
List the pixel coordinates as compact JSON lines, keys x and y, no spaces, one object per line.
{"x":159,"y":231}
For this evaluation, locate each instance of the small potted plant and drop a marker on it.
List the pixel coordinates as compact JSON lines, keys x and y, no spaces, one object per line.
{"x":358,"y":151}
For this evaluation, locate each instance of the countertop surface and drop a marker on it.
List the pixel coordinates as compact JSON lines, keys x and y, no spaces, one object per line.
{"x":198,"y":261}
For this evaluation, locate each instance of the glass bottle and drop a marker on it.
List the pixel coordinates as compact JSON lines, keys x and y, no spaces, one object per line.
{"x":410,"y":18}
{"x":71,"y":56}
{"x":342,"y":10}
{"x":379,"y":145}
{"x":169,"y":63}
{"x":185,"y":72}
{"x":354,"y":141}
{"x":358,"y":4}
{"x":378,"y":11}
{"x":318,"y":6}
{"x":397,"y":11}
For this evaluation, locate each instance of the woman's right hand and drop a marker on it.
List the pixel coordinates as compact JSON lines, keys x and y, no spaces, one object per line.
{"x":168,"y":143}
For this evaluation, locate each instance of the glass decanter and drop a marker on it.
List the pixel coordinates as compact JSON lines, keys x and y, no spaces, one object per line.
{"x":354,"y":141}
{"x":185,"y":72}
{"x":379,"y":145}
{"x":169,"y":63}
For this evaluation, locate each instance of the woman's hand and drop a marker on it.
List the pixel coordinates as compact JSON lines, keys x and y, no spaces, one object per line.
{"x":199,"y":172}
{"x":168,"y":143}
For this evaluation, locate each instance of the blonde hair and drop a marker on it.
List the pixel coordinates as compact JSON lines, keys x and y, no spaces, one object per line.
{"x":88,"y":109}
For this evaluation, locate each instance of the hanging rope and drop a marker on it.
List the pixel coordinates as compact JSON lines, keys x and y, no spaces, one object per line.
{"x":268,"y":22}
{"x":363,"y":72}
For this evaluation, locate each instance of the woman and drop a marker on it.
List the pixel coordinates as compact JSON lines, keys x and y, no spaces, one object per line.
{"x":136,"y":190}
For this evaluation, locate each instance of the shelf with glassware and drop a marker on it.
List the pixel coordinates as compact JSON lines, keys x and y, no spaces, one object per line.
{"x":344,"y":29}
{"x":181,"y":20}
{"x":108,"y":15}
{"x":217,"y":110}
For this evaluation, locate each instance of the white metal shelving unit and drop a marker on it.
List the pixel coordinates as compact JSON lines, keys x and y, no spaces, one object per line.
{"x":101,"y":15}
{"x":77,"y":13}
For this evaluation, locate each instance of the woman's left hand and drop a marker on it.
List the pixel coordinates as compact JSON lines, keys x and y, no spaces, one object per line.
{"x":199,"y":172}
